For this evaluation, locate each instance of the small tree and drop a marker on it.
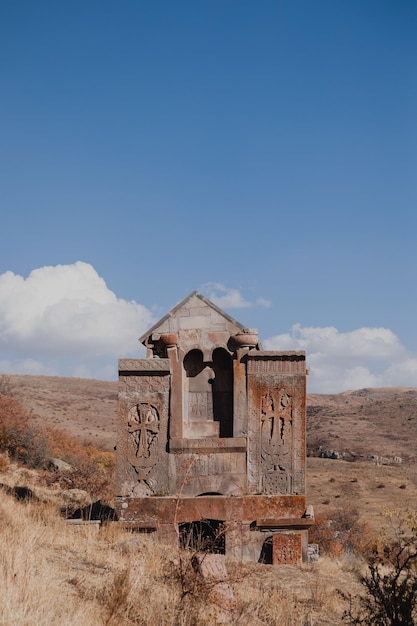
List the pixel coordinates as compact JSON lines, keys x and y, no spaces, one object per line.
{"x":391,"y":579}
{"x":19,"y":435}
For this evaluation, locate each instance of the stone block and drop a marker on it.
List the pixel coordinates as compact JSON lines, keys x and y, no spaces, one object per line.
{"x":287,"y":548}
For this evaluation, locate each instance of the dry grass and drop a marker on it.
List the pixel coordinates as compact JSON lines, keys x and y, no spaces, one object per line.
{"x":52,"y":573}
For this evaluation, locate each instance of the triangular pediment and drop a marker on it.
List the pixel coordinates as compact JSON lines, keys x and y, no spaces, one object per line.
{"x":194,"y":308}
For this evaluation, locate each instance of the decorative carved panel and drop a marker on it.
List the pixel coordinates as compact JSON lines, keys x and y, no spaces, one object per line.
{"x":287,"y":549}
{"x":276,"y":442}
{"x":285,"y":364}
{"x":143,"y":427}
{"x":146,"y":365}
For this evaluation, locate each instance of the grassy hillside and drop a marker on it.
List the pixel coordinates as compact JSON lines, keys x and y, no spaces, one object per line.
{"x":52,"y":572}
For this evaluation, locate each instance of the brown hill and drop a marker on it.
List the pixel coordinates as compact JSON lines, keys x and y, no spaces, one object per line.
{"x":85,"y":408}
{"x":368,"y":422}
{"x":368,"y":437}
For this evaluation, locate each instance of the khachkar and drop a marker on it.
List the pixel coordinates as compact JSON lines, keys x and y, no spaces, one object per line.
{"x":212,"y":437}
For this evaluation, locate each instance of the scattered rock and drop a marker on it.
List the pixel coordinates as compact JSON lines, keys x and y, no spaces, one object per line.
{"x":211,"y":568}
{"x":76,"y":497}
{"x":331,"y":454}
{"x":313,"y":552}
{"x":59,"y":465}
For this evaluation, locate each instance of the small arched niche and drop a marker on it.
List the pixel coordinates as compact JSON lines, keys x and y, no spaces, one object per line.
{"x":208,"y":409}
{"x":198,"y":397}
{"x":205,"y":535}
{"x":222,"y":386}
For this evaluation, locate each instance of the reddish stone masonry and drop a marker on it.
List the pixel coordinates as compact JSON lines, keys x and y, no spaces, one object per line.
{"x":212,"y":438}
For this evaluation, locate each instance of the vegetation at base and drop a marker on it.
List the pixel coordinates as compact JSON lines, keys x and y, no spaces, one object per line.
{"x":342,"y":532}
{"x":24,"y":441}
{"x":54,"y":574}
{"x":390,"y":581}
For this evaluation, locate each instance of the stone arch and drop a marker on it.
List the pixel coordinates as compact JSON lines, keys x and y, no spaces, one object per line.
{"x":198,"y":399}
{"x":205,"y":535}
{"x":222,"y":386}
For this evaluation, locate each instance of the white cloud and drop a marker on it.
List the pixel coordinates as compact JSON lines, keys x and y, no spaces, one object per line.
{"x":229,"y":298}
{"x":364,"y":357}
{"x":62,"y":314}
{"x":64,"y":321}
{"x":26,"y":366}
{"x":225,"y":298}
{"x":263,"y":302}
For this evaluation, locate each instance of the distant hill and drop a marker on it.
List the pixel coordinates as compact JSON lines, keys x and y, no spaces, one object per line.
{"x":379,"y":422}
{"x":85,"y":408}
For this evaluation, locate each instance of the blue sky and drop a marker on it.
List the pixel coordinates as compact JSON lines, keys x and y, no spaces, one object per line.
{"x":263,"y":153}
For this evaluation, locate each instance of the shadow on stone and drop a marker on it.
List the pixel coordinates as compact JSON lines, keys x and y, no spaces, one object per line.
{"x":95,"y":511}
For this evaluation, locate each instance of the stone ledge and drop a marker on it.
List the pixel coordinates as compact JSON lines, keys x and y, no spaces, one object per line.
{"x":275,"y":524}
{"x":143,"y":366}
{"x":229,"y":444}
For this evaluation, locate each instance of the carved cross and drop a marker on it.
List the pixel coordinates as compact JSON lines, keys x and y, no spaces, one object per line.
{"x":144,"y":426}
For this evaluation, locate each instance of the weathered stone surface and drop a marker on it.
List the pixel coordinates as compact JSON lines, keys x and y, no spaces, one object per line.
{"x":313,"y":552}
{"x":211,"y":427}
{"x":211,"y":568}
{"x":59,"y":465}
{"x":76,"y":497}
{"x":286,"y":548}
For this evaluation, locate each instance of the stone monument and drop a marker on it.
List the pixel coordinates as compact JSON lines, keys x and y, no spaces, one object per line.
{"x":212,"y":438}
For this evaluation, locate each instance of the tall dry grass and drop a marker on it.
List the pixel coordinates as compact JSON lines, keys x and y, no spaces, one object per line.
{"x":52,"y":573}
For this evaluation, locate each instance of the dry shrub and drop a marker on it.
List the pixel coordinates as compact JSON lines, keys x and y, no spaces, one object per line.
{"x":341,"y":532}
{"x":92,"y":468}
{"x":19,"y":436}
{"x":52,"y":573}
{"x":32,"y":584}
{"x":288,"y":595}
{"x":390,"y":582}
{"x":6,"y":387}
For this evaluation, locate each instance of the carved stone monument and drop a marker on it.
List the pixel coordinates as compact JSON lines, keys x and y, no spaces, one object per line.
{"x":212,"y":438}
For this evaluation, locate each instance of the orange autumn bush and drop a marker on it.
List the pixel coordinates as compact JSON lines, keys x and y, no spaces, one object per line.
{"x":19,"y":435}
{"x":342,"y":532}
{"x":92,"y":469}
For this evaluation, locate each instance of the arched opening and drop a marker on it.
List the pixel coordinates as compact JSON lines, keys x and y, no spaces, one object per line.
{"x":266,"y":552}
{"x":199,"y":376}
{"x":222,"y":385}
{"x":203,"y":536}
{"x":193,"y":363}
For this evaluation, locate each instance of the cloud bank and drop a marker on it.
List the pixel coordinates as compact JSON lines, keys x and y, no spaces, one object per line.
{"x":64,"y":321}
{"x":229,"y":298}
{"x":365,"y":357}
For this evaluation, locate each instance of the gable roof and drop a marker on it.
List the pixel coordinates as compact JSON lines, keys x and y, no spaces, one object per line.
{"x":182,"y":304}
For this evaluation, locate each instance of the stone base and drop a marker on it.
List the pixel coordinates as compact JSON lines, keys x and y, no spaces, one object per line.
{"x":247,"y":522}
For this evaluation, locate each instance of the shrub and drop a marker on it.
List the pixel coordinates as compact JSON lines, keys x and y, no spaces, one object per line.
{"x":92,"y":469}
{"x":6,"y":388}
{"x":341,"y":531}
{"x":19,"y":436}
{"x":391,"y":580}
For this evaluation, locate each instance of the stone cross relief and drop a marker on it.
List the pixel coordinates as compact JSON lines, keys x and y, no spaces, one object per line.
{"x":276,"y":433}
{"x":143,"y":427}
